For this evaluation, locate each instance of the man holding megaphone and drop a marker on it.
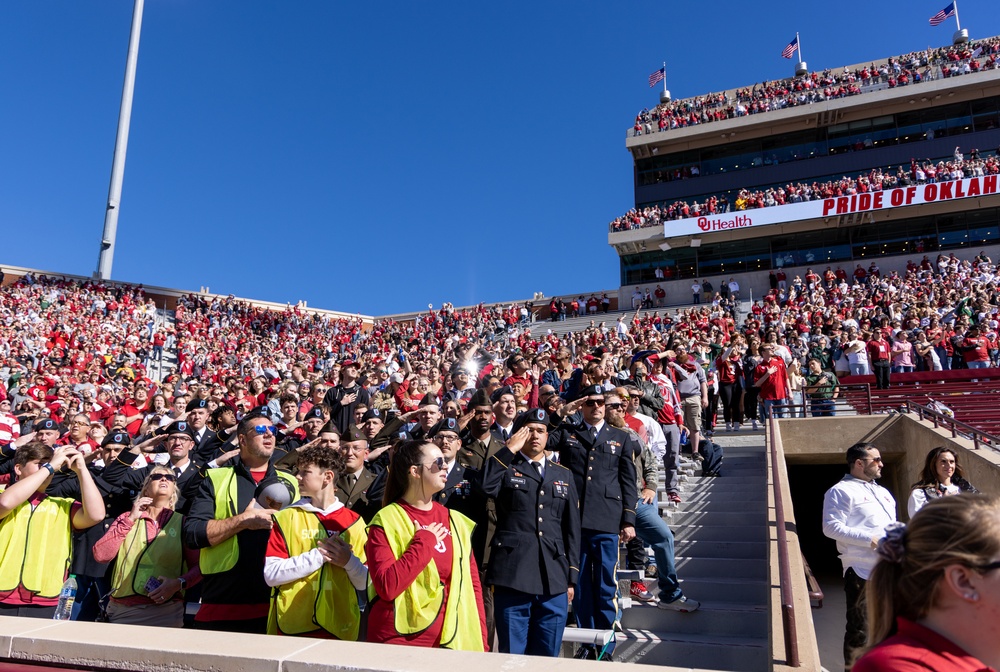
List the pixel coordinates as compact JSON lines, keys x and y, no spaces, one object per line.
{"x":232,"y":530}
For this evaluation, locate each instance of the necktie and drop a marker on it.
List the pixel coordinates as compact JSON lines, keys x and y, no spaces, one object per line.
{"x":352,"y":480}
{"x":538,"y":467}
{"x":178,"y":472}
{"x":593,"y":434}
{"x":505,"y":434}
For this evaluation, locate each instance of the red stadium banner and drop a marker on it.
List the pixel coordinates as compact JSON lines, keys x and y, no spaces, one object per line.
{"x":873,"y":201}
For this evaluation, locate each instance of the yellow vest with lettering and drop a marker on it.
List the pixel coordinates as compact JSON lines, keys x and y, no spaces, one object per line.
{"x":326,"y":598}
{"x":222,"y":557}
{"x":139,"y":559}
{"x":36,"y":546}
{"x":417,"y":607}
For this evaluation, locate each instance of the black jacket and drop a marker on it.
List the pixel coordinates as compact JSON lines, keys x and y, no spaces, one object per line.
{"x":603,"y":472}
{"x":536,"y":547}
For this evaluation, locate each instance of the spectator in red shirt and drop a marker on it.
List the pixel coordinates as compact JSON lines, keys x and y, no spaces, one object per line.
{"x":771,"y":377}
{"x":880,"y":357}
{"x":975,"y":349}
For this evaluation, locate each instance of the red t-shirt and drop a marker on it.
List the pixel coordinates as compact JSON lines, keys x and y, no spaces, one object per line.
{"x":390,"y":577}
{"x":915,"y":648}
{"x":776,"y":385}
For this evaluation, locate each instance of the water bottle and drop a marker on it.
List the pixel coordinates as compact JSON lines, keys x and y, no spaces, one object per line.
{"x":67,"y":596}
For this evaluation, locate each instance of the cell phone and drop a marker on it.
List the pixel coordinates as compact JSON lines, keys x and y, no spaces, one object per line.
{"x":152,"y":584}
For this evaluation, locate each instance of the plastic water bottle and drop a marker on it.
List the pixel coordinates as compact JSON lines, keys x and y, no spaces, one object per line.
{"x":67,"y":596}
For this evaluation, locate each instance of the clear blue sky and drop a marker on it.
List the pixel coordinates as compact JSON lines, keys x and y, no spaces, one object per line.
{"x":374,"y":157}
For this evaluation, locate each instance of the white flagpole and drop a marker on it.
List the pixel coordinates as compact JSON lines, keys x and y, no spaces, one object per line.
{"x":798,"y":46}
{"x":664,"y":76}
{"x":959,"y":25}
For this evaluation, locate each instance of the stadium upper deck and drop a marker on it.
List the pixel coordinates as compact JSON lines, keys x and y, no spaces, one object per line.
{"x":887,"y":127}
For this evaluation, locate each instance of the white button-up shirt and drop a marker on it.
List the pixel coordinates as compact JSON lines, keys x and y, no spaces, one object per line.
{"x":854,"y":511}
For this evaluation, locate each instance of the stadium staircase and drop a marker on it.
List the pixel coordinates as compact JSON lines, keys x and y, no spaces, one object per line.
{"x":165,"y":321}
{"x":721,"y":534}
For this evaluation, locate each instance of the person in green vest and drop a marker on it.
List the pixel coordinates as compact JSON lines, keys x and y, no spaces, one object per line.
{"x":36,"y":530}
{"x":226,"y":522}
{"x":316,"y":556}
{"x":152,"y":567}
{"x":425,"y":583}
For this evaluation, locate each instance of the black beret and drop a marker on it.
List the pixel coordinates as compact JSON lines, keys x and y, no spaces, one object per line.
{"x":446,"y":425}
{"x":47,"y":423}
{"x":195,"y":403}
{"x":371,"y":414}
{"x":591,"y":391}
{"x":180,"y":427}
{"x":314,"y":413}
{"x":117,"y":438}
{"x":500,"y":391}
{"x":535,"y":416}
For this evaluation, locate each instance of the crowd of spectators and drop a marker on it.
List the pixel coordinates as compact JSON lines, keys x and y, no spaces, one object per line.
{"x":69,"y":344}
{"x":816,"y":87}
{"x":923,"y":171}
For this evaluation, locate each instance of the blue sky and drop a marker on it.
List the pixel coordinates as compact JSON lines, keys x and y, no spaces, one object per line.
{"x":373,"y":157}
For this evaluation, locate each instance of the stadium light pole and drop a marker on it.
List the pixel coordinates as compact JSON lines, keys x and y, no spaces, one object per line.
{"x":107,"y":253}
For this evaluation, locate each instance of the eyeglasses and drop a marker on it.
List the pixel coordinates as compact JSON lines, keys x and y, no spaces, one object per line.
{"x":179,"y":437}
{"x":873,"y":459}
{"x":614,"y":406}
{"x":261,"y":430}
{"x":447,"y":437}
{"x":435,"y":466}
{"x":591,"y":403}
{"x":989,"y":567}
{"x":163,"y":477}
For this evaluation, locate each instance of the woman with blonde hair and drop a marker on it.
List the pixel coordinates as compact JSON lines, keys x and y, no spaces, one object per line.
{"x":152,"y":567}
{"x":934,"y":596}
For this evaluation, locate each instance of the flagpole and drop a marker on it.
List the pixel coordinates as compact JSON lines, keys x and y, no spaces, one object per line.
{"x":957,"y":24}
{"x":664,"y":76}
{"x":798,"y":45}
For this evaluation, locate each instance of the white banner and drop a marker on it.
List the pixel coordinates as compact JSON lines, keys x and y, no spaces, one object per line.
{"x":873,"y":201}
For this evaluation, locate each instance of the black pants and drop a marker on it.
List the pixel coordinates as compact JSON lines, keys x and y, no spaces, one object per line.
{"x":254,"y":626}
{"x":881,"y":370}
{"x":750,"y":405}
{"x":27,"y":611}
{"x":709,"y":412}
{"x":730,"y":394}
{"x":857,"y":626}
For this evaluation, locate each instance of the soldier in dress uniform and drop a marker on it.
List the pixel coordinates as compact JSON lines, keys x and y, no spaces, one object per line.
{"x":600,"y":458}
{"x":478,"y":442}
{"x":537,"y":542}
{"x":353,"y":485}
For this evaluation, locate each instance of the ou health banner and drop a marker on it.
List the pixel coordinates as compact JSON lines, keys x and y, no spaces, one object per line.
{"x":873,"y":201}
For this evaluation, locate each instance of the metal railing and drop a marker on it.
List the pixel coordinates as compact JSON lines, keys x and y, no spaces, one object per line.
{"x":773,"y":440}
{"x":978,"y":437}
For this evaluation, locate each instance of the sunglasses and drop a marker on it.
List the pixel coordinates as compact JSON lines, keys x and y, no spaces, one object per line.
{"x":163,"y":477}
{"x":435,"y":466}
{"x":261,"y":430}
{"x":988,"y":568}
{"x":591,"y":403}
{"x":614,"y":407}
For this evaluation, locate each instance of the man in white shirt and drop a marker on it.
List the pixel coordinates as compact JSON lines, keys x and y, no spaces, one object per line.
{"x":856,"y":512}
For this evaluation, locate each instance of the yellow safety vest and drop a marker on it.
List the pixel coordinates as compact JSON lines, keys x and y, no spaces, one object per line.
{"x":36,"y":546}
{"x":139,"y":559}
{"x":326,"y":598}
{"x":223,"y":557}
{"x":417,"y":607}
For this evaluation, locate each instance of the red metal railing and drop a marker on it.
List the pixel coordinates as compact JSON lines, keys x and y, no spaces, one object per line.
{"x":773,"y":439}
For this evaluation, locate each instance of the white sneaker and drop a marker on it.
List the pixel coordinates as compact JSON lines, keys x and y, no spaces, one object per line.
{"x":736,"y":427}
{"x":755,"y":428}
{"x":729,"y":427}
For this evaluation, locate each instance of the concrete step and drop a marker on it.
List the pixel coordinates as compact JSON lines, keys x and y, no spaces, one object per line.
{"x":721,"y":489}
{"x":718,"y":533}
{"x":721,"y":504}
{"x":710,"y":517}
{"x":708,"y":568}
{"x":712,"y":619}
{"x":756,"y":497}
{"x":725,"y":589}
{"x":743,"y":550}
{"x":695,"y":651}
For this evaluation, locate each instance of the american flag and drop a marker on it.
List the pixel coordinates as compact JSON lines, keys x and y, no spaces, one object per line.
{"x":657,"y":76}
{"x":940,"y":17}
{"x":790,"y":49}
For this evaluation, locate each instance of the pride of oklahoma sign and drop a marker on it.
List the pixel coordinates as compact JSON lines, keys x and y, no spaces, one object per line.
{"x":872,"y":201}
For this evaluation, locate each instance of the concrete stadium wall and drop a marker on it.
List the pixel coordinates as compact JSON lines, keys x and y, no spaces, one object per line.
{"x":107,"y":646}
{"x":903,"y":441}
